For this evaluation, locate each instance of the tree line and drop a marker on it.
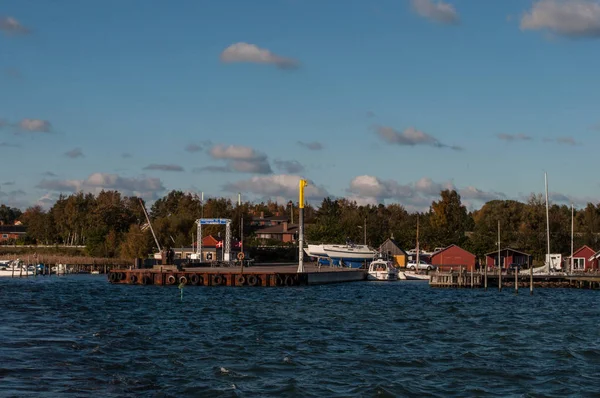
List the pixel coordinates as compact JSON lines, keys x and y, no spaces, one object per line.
{"x":112,"y":225}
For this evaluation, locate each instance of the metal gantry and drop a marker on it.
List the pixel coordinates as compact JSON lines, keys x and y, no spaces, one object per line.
{"x":215,"y":221}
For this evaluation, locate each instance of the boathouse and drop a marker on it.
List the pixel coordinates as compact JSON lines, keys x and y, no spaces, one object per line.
{"x":453,"y":257}
{"x":392,"y":250}
{"x":508,"y":256}
{"x":593,"y":261}
{"x":582,"y":260}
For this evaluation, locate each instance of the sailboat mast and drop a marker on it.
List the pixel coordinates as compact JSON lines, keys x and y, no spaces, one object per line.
{"x":417,"y":242}
{"x":547,"y":222}
{"x":572,"y":232}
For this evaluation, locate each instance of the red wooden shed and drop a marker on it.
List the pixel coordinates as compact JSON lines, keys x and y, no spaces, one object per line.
{"x":453,"y":257}
{"x":583,"y":260}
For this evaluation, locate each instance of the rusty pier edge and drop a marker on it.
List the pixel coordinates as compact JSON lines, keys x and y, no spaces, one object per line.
{"x":234,"y":277}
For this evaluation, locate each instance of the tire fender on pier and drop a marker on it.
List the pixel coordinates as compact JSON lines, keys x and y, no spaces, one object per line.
{"x":194,"y":279}
{"x":240,"y":280}
{"x":183,"y":280}
{"x":133,"y":279}
{"x":218,"y":279}
{"x":170,"y":279}
{"x":252,"y":280}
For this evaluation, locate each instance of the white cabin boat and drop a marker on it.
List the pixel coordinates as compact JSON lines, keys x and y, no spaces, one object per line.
{"x":381,"y":270}
{"x":15,"y":268}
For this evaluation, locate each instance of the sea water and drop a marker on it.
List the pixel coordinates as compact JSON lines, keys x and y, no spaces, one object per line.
{"x":81,"y":336}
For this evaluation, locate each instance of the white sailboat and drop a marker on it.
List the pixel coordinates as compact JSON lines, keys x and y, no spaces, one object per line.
{"x":415,"y":275}
{"x":553,"y":261}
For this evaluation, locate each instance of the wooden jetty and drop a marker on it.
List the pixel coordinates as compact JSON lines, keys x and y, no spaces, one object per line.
{"x":463,"y":279}
{"x":262,"y":276}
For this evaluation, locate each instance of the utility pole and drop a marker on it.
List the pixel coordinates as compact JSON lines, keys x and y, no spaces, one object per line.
{"x":499,"y":262}
{"x":365,"y":230}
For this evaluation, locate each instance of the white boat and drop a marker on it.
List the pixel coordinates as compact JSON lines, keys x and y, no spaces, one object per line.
{"x":413,"y":276}
{"x":349,"y":252}
{"x":16,"y":268}
{"x":315,"y":251}
{"x":381,"y":270}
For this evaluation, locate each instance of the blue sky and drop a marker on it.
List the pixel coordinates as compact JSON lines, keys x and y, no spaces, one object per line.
{"x":378,"y":101}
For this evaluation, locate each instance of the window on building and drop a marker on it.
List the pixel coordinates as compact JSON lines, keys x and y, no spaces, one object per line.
{"x":578,"y":263}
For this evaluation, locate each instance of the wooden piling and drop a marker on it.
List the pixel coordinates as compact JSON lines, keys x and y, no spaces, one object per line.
{"x":517,"y":280}
{"x":485,"y":277}
{"x":531,"y":280}
{"x":472,"y":266}
{"x":499,"y":276}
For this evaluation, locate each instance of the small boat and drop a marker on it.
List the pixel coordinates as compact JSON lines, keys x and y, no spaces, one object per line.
{"x":413,"y":276}
{"x":381,"y":270}
{"x":15,"y":268}
{"x":95,"y":272}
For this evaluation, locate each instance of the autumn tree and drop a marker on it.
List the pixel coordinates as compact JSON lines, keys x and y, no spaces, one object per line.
{"x":448,"y":220}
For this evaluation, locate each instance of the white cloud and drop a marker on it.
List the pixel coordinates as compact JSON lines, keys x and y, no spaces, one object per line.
{"x":410,"y":137}
{"x":562,"y":141}
{"x":476,"y":194}
{"x":514,"y":137}
{"x":313,"y":146}
{"x":569,"y":18}
{"x":566,"y":141}
{"x":74,"y":153}
{"x":277,"y":185}
{"x":414,"y":196}
{"x":289,"y":166}
{"x":10,"y":25}
{"x":35,"y":126}
{"x":193,"y":148}
{"x":244,"y":52}
{"x":239,"y":158}
{"x":164,"y":167}
{"x":147,"y":188}
{"x":437,"y":11}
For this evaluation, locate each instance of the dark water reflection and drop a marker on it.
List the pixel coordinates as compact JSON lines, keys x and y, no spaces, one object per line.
{"x":80,"y":336}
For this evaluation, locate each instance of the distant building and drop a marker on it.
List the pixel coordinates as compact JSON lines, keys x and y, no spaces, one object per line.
{"x":453,"y":257}
{"x":392,"y":250}
{"x":508,"y":256}
{"x":12,"y":232}
{"x":269,"y":221}
{"x":284,"y":232}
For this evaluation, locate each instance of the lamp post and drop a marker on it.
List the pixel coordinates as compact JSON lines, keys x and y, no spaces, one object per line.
{"x":291,"y":206}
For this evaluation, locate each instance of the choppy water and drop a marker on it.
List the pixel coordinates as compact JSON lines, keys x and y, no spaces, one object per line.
{"x":80,"y":336}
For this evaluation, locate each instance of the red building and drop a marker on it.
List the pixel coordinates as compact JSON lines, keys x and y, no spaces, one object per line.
{"x":11,"y":232}
{"x":584,"y":259}
{"x":453,"y":257}
{"x":508,"y":256}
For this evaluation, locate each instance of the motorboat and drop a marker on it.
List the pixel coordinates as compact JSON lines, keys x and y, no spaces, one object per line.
{"x":15,"y":269}
{"x":381,"y":270}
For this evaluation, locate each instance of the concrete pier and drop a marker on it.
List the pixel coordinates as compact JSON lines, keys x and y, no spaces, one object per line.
{"x":263,"y":276}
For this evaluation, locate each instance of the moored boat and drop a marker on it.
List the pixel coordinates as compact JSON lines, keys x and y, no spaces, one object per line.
{"x":381,"y":270}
